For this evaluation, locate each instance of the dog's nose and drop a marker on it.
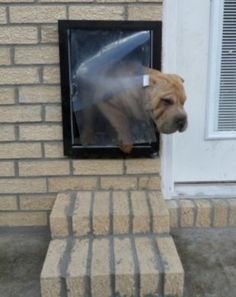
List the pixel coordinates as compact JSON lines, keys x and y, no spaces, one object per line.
{"x":181,"y":122}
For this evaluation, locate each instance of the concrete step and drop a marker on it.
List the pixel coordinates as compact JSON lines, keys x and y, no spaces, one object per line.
{"x":114,"y":265}
{"x":108,"y":212}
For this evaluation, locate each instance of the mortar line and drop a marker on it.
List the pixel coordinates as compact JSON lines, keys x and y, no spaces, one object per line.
{"x":63,"y":264}
{"x":111,"y":247}
{"x":7,"y":15}
{"x":126,"y":12}
{"x":39,"y":35}
{"x":17,"y":171}
{"x":150,"y":210}
{"x":130,"y":213}
{"x":18,"y":202}
{"x":137,"y":279}
{"x":88,"y":288}
{"x":160,"y":265}
{"x":67,"y":12}
{"x":133,"y":248}
{"x":91,"y":214}
{"x":69,"y":213}
{"x":17,"y":95}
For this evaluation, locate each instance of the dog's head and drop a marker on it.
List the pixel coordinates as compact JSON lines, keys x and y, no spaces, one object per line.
{"x":167,"y":97}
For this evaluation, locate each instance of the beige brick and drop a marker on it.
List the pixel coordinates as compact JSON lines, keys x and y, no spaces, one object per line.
{"x":121,"y":212}
{"x":149,"y":270}
{"x":220,"y":213}
{"x":53,"y":113}
{"x":173,"y":210}
{"x":19,"y":75}
{"x":124,"y":267}
{"x":57,"y":184}
{"x":96,"y":12}
{"x":36,"y":202}
{"x":160,"y":214}
{"x":51,"y":75}
{"x":16,"y":150}
{"x":40,"y":132}
{"x":7,"y":168}
{"x":5,"y":58}
{"x":7,"y":133}
{"x":17,"y":185}
{"x":115,"y":1}
{"x":18,"y":35}
{"x":3,"y":16}
{"x":49,"y":34}
{"x":39,"y":94}
{"x":98,"y":167}
{"x":59,"y":224}
{"x":7,"y":95}
{"x":203,"y":218}
{"x":149,"y":183}
{"x":81,"y":213}
{"x":186,"y":213}
{"x":142,"y":166}
{"x":37,"y":14}
{"x":53,"y":150}
{"x":50,"y":278}
{"x":156,"y":1}
{"x":119,"y":183}
{"x":76,"y":272}
{"x":17,"y":219}
{"x":16,"y":114}
{"x":100,"y":269}
{"x":44,"y":168}
{"x":37,"y":55}
{"x":65,"y":1}
{"x":141,"y":216}
{"x":101,"y":210}
{"x":232,"y":213}
{"x":15,"y":1}
{"x":174,"y":273}
{"x":8,"y":203}
{"x":144,"y":12}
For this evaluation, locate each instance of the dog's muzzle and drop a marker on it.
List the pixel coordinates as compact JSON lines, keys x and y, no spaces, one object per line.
{"x":181,"y":123}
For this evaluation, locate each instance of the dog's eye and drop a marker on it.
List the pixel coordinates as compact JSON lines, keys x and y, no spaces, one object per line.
{"x":167,"y":101}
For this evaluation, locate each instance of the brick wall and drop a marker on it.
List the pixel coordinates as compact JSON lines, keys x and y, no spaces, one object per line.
{"x":32,"y":166}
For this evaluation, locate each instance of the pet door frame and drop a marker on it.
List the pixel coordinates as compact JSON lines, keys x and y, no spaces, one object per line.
{"x":72,"y":149}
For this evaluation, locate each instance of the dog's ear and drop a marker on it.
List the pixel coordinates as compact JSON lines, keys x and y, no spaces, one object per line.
{"x":156,"y":78}
{"x":178,"y":77}
{"x":181,"y":78}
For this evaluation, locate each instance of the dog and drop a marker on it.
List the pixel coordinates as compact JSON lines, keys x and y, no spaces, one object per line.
{"x":163,"y":99}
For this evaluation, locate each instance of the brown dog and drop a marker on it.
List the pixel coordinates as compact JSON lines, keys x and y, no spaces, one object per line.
{"x":163,"y":99}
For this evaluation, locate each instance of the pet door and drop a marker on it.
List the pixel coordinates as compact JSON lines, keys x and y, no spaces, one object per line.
{"x":104,"y":87}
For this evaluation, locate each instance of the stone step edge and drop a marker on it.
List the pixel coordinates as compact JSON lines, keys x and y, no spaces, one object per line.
{"x":202,"y":212}
{"x":66,"y":219}
{"x":133,"y":272}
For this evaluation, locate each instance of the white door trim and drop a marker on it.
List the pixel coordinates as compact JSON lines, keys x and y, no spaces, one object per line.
{"x":169,"y":65}
{"x":172,"y":38}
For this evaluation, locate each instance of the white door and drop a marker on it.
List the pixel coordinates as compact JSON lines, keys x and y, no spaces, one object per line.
{"x":200,"y":45}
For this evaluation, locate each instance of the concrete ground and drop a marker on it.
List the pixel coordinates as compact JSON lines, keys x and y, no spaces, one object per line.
{"x":22,"y":252}
{"x":208,"y":256}
{"x":209,"y":260}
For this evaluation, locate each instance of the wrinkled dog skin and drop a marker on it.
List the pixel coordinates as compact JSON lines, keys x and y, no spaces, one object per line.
{"x":167,"y":97}
{"x":164,"y":99}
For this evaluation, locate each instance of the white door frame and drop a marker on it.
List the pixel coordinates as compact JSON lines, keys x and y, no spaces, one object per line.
{"x":172,"y":13}
{"x":169,"y":65}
